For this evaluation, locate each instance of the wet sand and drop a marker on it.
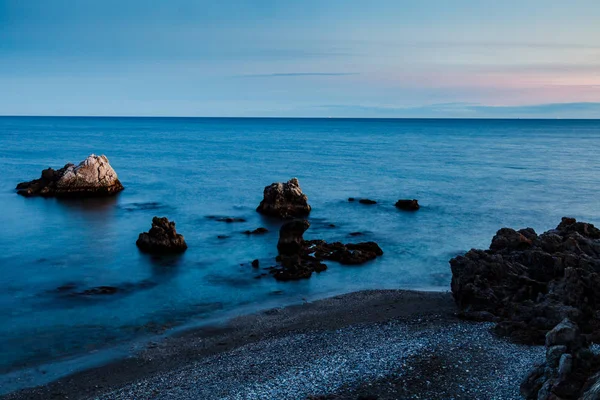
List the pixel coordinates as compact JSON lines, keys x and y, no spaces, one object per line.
{"x":388,"y":344}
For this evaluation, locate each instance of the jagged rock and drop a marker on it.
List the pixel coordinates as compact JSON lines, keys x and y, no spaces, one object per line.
{"x":92,"y":177}
{"x":569,"y":369}
{"x":255,"y":264}
{"x":299,"y":258}
{"x":284,"y":200}
{"x":161,"y":238}
{"x":532,"y":282}
{"x":408,"y":205}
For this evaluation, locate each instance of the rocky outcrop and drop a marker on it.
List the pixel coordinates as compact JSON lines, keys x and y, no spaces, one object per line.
{"x":408,"y":205}
{"x":162,"y":238}
{"x":531,"y":282}
{"x":284,"y":200}
{"x":291,"y":239}
{"x":92,"y":177}
{"x":299,"y":258}
{"x":569,"y":371}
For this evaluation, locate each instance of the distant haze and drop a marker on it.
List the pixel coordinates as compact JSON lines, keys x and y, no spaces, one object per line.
{"x":350,"y":58}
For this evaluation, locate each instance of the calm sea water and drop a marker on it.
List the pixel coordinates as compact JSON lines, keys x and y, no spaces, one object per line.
{"x":471,"y":177}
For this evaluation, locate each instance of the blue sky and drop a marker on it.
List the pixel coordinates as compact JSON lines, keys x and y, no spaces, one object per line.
{"x":351,"y":58}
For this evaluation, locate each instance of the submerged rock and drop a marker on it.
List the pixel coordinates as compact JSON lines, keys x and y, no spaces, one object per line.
{"x":532,"y":282}
{"x":408,"y":205}
{"x":299,"y":258}
{"x":257,"y":231}
{"x":229,"y":220}
{"x":92,"y":177}
{"x":161,"y":238}
{"x":284,"y":200}
{"x":569,"y":371}
{"x":367,"y":201}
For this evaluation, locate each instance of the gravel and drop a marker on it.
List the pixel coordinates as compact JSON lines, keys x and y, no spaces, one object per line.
{"x":414,"y":358}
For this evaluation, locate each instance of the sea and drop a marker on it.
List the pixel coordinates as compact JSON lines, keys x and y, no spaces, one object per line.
{"x":471,"y":177}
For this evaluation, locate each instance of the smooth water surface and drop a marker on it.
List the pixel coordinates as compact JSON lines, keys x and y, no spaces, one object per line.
{"x":470,"y":176}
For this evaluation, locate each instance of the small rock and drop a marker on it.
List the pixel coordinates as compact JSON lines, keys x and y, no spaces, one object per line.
{"x":367,"y":201}
{"x":284,"y":200}
{"x":161,"y":238}
{"x":255,"y":264}
{"x":257,"y":231}
{"x":408,"y":205}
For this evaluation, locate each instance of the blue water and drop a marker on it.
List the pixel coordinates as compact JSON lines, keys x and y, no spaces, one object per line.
{"x":470,"y":176}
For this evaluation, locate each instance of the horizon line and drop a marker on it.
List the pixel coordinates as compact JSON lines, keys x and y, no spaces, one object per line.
{"x":303,"y":117}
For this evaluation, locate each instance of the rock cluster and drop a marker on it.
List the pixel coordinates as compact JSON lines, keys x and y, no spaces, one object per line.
{"x":569,"y":369}
{"x":284,"y":200}
{"x":92,"y":177}
{"x":530,"y":282}
{"x":162,"y":238}
{"x":408,"y":205}
{"x":299,"y":258}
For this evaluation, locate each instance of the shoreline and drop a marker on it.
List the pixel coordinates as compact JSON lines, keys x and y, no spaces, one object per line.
{"x":364,"y":314}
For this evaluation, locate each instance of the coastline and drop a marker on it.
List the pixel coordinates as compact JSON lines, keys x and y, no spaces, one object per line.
{"x":399,"y":331}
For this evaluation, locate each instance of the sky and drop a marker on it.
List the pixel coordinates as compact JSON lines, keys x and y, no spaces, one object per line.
{"x":309,"y":58}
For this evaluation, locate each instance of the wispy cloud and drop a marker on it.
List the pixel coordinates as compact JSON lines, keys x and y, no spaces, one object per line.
{"x":297,"y":74}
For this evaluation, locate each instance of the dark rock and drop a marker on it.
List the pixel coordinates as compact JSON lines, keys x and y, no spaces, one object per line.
{"x":223,"y":236}
{"x":355,"y":234}
{"x":284,"y":200}
{"x":257,"y":231}
{"x":346,"y":254}
{"x":299,"y":258}
{"x":570,"y":369}
{"x":255,"y":264}
{"x":532,"y":282}
{"x":408,"y":205}
{"x":290,"y":237}
{"x":161,"y":238}
{"x":351,"y":199}
{"x":92,"y":177}
{"x":228,"y":220}
{"x":67,"y":287}
{"x":100,"y":290}
{"x":331,"y":225}
{"x":367,"y":201}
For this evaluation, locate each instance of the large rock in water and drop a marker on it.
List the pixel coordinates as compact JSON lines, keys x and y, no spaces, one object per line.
{"x":570,"y":369}
{"x":531,"y":283}
{"x":299,"y":258}
{"x":162,"y":238}
{"x":291,"y":240}
{"x":92,"y":177}
{"x":284,"y":200}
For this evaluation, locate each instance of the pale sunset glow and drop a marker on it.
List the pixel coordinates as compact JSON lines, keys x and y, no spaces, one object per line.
{"x":297,"y":59}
